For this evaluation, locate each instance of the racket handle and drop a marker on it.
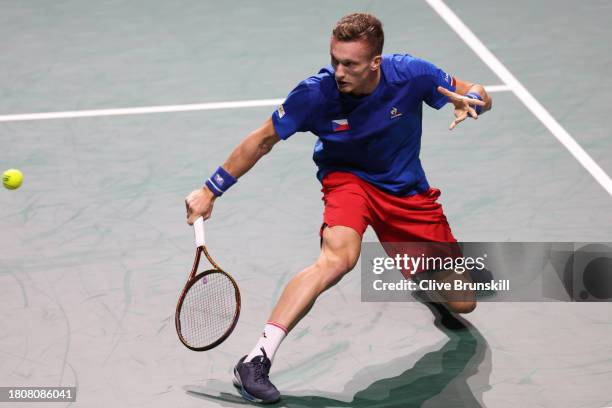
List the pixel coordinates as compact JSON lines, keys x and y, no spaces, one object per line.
{"x":198,"y":229}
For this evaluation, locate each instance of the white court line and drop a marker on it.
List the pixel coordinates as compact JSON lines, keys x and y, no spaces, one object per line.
{"x":140,"y":110}
{"x":497,"y":88}
{"x":522,"y":93}
{"x":162,"y":109}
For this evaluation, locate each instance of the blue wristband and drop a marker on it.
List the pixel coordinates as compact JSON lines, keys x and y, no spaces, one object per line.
{"x":220,"y":181}
{"x":475,"y":95}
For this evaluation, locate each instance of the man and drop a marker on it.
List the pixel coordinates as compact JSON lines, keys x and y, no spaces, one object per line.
{"x":366,"y":109}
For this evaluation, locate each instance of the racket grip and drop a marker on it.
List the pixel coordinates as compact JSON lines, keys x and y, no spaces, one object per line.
{"x":198,"y":229}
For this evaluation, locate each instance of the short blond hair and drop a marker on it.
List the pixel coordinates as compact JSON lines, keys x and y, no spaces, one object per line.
{"x":361,"y":26}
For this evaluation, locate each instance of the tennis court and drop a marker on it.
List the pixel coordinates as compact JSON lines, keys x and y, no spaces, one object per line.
{"x":95,"y":248}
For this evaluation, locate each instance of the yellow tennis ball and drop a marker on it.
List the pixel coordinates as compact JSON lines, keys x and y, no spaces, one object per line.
{"x":12,"y":179}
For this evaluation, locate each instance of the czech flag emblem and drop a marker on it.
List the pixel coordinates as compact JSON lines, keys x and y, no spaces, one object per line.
{"x":340,"y":125}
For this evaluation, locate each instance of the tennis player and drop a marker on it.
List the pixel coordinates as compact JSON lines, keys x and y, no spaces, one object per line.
{"x":366,"y":109}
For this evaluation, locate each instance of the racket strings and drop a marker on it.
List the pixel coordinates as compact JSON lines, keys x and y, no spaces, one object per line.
{"x":208,"y":310}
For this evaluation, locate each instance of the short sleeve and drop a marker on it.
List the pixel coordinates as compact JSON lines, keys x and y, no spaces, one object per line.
{"x":433,"y":77}
{"x":292,"y":116}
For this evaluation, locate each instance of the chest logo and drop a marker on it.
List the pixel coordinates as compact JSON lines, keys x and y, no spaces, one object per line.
{"x":340,"y":125}
{"x":395,"y":113}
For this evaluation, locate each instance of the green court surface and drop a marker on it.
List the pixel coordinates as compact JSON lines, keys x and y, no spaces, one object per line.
{"x":95,"y":248}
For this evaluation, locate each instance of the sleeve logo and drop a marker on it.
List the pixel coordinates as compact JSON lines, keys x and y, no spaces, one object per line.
{"x":281,"y":111}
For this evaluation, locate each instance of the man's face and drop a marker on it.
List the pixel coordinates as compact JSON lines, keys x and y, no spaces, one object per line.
{"x":353,"y":63}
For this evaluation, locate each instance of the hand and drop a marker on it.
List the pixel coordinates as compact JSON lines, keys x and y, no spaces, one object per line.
{"x":199,"y":203}
{"x":463,"y":106}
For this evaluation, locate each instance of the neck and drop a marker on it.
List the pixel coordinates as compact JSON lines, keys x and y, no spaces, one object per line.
{"x":369,"y":86}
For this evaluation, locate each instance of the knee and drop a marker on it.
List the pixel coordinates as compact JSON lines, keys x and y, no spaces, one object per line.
{"x":337,"y":266}
{"x":462,"y":307}
{"x":333,"y":268}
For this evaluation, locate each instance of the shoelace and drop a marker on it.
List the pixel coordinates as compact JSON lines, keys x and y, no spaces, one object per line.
{"x":261,"y":375}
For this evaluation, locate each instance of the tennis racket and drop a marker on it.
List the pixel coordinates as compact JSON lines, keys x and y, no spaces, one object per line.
{"x":209,"y":306}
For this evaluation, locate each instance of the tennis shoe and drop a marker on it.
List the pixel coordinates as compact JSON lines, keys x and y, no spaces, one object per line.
{"x":252,"y":380}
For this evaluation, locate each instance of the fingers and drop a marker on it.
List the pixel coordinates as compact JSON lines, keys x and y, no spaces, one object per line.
{"x":188,"y":201}
{"x":477,"y":102}
{"x":472,"y":112}
{"x":445,"y":91}
{"x":189,"y":207}
{"x":192,"y":216}
{"x":460,"y":118}
{"x":197,"y":206}
{"x":455,"y":97}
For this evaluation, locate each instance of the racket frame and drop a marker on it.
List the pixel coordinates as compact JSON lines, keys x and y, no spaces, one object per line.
{"x":194,"y":277}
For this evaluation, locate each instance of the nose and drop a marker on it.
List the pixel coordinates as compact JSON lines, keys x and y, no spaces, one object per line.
{"x":340,"y":72}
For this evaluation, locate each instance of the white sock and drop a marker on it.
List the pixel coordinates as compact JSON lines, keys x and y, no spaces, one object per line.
{"x":272,"y":336}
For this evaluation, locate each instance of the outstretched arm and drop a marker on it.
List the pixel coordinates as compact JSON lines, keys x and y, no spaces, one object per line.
{"x":469,"y":99}
{"x":244,"y":156}
{"x":251,"y":149}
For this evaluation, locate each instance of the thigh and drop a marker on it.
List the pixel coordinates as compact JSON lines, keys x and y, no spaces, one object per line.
{"x":340,"y":249}
{"x":417,"y":218}
{"x":340,"y":243}
{"x":346,"y":203}
{"x":417,"y":227}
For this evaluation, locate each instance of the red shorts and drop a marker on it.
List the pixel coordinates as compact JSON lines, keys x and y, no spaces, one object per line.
{"x":353,"y":202}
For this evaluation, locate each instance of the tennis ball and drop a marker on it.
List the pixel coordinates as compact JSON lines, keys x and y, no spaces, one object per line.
{"x":12,"y":179}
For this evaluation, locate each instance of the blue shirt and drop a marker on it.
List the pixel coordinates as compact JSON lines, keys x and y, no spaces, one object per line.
{"x":376,"y":137}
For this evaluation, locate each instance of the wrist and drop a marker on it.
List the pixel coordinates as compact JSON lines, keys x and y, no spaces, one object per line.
{"x":475,"y":95}
{"x":220,"y":181}
{"x":209,"y":194}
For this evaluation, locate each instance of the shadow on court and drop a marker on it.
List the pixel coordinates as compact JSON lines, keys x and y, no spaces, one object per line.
{"x":441,"y":374}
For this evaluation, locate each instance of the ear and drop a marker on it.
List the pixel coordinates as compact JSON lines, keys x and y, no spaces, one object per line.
{"x":375,"y":63}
